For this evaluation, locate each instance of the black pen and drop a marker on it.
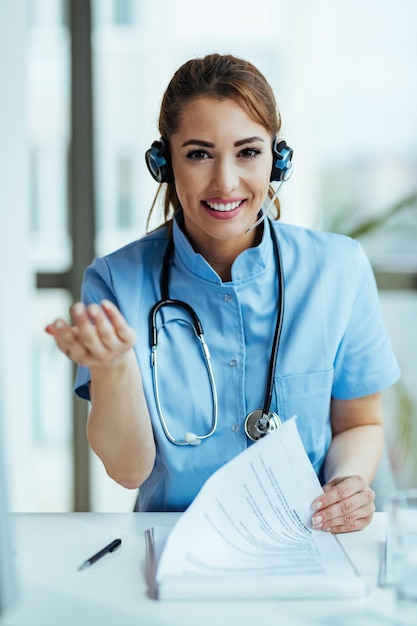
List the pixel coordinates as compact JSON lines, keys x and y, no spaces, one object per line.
{"x":110,"y":548}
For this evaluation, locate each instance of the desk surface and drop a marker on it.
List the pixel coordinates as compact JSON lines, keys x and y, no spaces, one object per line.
{"x":50,"y":548}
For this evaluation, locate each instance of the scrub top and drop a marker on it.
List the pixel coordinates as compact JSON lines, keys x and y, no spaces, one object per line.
{"x":333,"y":343}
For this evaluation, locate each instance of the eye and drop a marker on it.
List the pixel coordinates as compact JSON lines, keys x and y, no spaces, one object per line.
{"x":250,"y":153}
{"x":197,"y":155}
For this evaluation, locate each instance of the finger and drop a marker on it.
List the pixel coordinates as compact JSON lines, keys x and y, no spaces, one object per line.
{"x":352,"y":505}
{"x":125,"y":333}
{"x":67,"y":339}
{"x":339,"y":489}
{"x":105,"y":330}
{"x":98,"y":334}
{"x":111,"y":330}
{"x":57,"y":327}
{"x":356,"y":520}
{"x":100,"y":316}
{"x":79,"y":314}
{"x":85,"y":320}
{"x":50,"y":329}
{"x":64,"y":334}
{"x":345,"y":512}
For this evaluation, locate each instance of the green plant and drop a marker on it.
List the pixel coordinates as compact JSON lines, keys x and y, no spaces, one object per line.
{"x":404,"y":440}
{"x":338,"y":220}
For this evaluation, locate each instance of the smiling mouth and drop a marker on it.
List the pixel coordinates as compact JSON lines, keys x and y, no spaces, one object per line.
{"x":223,"y":207}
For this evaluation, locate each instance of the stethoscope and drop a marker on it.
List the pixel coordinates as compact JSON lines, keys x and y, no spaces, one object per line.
{"x":259,"y":422}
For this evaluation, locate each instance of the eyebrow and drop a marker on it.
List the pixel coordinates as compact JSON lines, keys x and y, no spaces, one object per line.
{"x":208,"y":144}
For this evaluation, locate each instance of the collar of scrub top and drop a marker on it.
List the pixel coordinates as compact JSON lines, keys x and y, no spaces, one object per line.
{"x":246,"y":265}
{"x":258,"y":422}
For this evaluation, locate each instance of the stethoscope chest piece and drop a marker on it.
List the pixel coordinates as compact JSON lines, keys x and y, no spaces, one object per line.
{"x":257,"y":425}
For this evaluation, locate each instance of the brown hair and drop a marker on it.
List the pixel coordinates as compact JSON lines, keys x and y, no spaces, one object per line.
{"x":219,"y":77}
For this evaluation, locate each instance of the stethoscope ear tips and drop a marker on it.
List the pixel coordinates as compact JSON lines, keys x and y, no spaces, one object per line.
{"x":192,"y":439}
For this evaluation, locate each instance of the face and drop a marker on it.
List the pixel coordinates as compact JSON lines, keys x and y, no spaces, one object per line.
{"x":222,"y":160}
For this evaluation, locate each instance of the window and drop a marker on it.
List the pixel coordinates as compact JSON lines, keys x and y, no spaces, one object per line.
{"x":124,"y":13}
{"x":124,"y":193}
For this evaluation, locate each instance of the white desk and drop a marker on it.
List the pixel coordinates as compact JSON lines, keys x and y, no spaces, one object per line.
{"x":113,"y":591}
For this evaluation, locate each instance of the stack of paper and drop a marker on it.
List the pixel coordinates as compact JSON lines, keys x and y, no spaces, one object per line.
{"x":248,"y":533}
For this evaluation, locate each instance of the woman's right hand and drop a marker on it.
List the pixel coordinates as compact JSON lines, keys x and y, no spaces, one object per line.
{"x":98,"y":336}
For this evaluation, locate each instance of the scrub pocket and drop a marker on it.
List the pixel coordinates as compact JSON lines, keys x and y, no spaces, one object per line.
{"x":308,"y":396}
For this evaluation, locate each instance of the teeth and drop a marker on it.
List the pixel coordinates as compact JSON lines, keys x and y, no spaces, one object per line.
{"x":229,"y":206}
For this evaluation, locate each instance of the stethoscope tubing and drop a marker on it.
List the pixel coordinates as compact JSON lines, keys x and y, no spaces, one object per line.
{"x":198,"y":330}
{"x":278,"y":327}
{"x":166,"y":301}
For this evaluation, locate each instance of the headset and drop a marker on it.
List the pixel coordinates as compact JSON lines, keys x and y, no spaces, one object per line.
{"x":158,"y":161}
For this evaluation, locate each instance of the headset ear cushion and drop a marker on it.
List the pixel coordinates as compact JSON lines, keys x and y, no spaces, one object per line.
{"x":281,"y":164}
{"x":159,"y":162}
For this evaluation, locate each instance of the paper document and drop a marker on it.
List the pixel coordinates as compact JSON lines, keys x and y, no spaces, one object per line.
{"x":248,"y":533}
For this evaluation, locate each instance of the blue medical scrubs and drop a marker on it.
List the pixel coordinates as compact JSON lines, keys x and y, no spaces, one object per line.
{"x":333,"y":343}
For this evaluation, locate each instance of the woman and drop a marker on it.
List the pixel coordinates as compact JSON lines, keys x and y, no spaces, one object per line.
{"x":219,"y":151}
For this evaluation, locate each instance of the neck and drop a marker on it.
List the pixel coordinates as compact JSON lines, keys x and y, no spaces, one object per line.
{"x":222,"y":254}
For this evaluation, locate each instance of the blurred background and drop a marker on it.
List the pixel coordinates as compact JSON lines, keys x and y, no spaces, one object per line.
{"x":81,"y":84}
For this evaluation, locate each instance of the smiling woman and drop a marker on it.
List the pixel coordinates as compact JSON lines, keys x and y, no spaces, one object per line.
{"x":325,"y":356}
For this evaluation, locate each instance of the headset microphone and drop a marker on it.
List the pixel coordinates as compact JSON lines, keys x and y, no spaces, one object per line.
{"x":265,"y":213}
{"x":282,"y":168}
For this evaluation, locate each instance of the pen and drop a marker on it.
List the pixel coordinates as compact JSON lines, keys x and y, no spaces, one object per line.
{"x":110,"y":548}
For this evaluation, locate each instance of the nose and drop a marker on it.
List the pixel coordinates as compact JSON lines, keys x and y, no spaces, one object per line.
{"x":225,"y":176}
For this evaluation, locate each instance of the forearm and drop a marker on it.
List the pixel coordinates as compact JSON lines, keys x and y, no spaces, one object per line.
{"x":356,"y":451}
{"x":347,"y":501}
{"x":119,"y":427}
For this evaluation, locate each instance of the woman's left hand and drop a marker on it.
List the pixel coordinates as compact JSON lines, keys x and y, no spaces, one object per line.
{"x":347,"y":504}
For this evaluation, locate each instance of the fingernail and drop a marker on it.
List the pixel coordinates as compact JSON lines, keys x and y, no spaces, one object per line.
{"x":317,"y":521}
{"x":94,"y":310}
{"x":77,"y":308}
{"x":317,"y":505}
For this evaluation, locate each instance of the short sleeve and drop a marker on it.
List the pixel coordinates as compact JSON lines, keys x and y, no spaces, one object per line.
{"x":365,"y":362}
